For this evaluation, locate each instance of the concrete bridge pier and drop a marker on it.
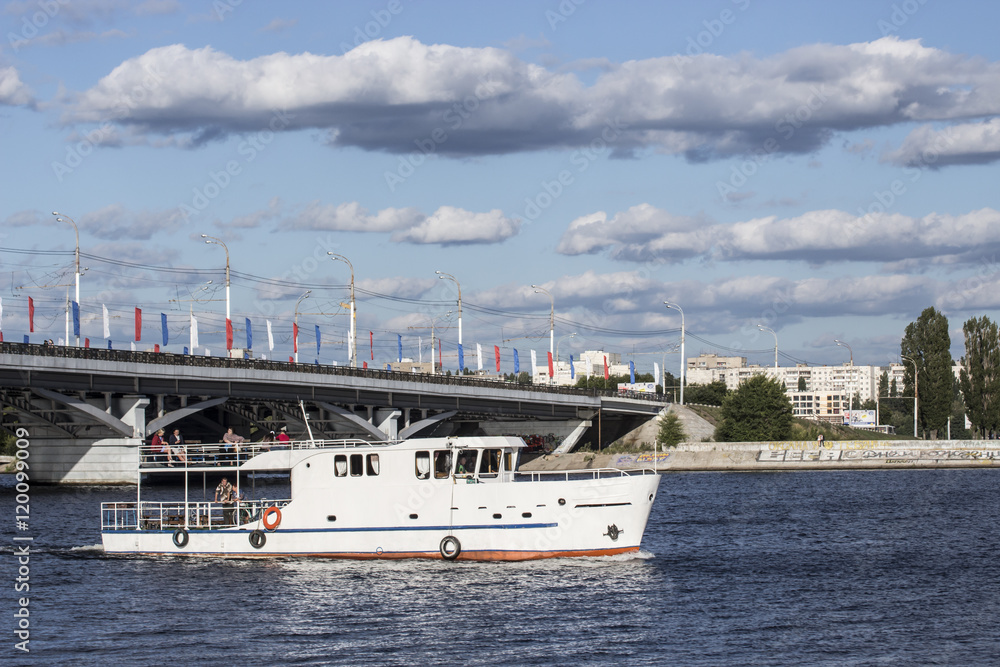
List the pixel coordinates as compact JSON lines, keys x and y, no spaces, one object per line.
{"x":80,"y":441}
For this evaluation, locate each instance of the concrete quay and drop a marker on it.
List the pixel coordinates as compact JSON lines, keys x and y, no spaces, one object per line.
{"x":789,"y":455}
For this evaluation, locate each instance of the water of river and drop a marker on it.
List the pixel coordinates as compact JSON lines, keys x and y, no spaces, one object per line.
{"x":816,"y":568}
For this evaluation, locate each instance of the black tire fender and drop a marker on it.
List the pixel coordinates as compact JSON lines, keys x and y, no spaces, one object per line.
{"x":258,"y":539}
{"x":181,"y":538}
{"x":450,"y":547}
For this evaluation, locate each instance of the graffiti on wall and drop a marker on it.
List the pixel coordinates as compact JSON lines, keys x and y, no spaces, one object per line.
{"x":640,"y":460}
{"x":987,"y":456}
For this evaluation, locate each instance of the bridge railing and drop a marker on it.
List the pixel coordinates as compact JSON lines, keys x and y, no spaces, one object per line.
{"x":270,"y":365}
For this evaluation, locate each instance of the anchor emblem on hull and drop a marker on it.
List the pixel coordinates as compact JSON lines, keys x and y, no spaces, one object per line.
{"x":613,"y":532}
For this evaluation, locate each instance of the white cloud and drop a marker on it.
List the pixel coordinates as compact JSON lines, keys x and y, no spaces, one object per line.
{"x":452,"y":226}
{"x":12,"y":91}
{"x":642,"y":232}
{"x":388,"y":94}
{"x":116,"y":222}
{"x":277,"y":26}
{"x":351,"y":217}
{"x":645,"y":233}
{"x":966,"y":143}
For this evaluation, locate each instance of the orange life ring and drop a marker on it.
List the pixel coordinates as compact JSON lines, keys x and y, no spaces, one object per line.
{"x":272,"y":510}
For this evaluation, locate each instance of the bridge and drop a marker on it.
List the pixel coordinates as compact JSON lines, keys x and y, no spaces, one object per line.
{"x":87,"y":410}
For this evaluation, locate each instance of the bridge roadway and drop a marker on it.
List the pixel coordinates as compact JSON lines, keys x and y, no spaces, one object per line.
{"x":88,"y":409}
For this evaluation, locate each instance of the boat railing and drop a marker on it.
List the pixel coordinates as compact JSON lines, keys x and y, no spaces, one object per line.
{"x":224,"y":454}
{"x":152,"y":515}
{"x":576,"y":475}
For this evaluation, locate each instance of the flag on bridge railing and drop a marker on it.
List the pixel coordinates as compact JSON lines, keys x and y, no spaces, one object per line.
{"x":31,"y":317}
{"x":631,"y":371}
{"x":163,"y":325}
{"x":496,"y":353}
{"x":76,"y":318}
{"x":517,"y":363}
{"x":1,"y":320}
{"x":107,"y":321}
{"x":318,"y":339}
{"x":371,"y":344}
{"x":572,"y":370}
{"x":606,"y":375}
{"x":399,"y":343}
{"x":552,"y":372}
{"x":138,"y":323}
{"x":249,"y":335}
{"x":534,"y":363}
{"x":229,"y":334}
{"x":270,"y":337}
{"x":656,"y":373}
{"x":295,"y":337}
{"x":461,"y":358}
{"x":479,"y":356}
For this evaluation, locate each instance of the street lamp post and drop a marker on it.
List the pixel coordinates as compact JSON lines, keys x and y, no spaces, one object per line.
{"x":552,"y":320}
{"x":76,"y":229}
{"x":295,"y":323}
{"x":670,"y":304}
{"x":211,"y":240}
{"x":354,"y":327}
{"x":561,"y":339}
{"x":447,"y":276}
{"x":853,"y":387}
{"x":916,"y":390}
{"x":763,"y":328}
{"x":552,"y":317}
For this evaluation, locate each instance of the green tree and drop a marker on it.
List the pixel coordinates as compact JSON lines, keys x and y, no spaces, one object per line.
{"x":706,"y":394}
{"x":802,"y":383}
{"x":883,"y":385}
{"x":928,"y":344}
{"x":671,"y":431}
{"x":980,"y":376}
{"x":759,"y":410}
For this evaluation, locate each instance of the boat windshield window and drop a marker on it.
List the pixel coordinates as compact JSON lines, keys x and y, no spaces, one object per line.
{"x":423,"y":465}
{"x":442,"y":463}
{"x":466,"y":461}
{"x":340,"y":465}
{"x":489,"y":465}
{"x":372,"y":464}
{"x":357,"y":465}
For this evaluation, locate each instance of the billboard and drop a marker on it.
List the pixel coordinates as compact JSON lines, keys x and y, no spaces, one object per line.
{"x":640,"y":387}
{"x":859,"y":418}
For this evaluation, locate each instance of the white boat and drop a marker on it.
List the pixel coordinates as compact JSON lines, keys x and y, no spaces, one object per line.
{"x":453,"y":498}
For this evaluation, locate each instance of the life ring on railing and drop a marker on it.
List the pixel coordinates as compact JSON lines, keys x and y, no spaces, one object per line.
{"x":257,"y":539}
{"x":181,"y":538}
{"x":272,"y":510}
{"x":450,"y":547}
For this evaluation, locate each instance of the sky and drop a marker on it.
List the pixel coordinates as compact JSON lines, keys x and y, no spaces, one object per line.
{"x":822,"y":169}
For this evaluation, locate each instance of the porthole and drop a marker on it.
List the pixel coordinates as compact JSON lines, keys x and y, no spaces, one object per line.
{"x":331,"y":518}
{"x":526,"y":515}
{"x":413,"y":516}
{"x":562,"y":501}
{"x":497,"y":516}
